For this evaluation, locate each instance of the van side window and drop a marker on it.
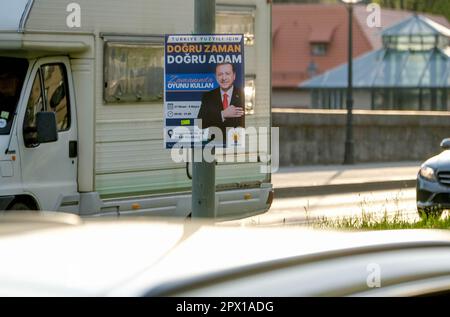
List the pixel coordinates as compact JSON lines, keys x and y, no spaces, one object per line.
{"x":133,"y":72}
{"x":56,"y":97}
{"x":35,"y":105}
{"x":236,"y":20}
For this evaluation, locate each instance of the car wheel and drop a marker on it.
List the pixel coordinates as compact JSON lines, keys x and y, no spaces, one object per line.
{"x":20,"y":206}
{"x":430,"y":212}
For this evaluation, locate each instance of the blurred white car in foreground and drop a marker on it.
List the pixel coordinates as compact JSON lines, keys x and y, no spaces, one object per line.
{"x":60,"y":255}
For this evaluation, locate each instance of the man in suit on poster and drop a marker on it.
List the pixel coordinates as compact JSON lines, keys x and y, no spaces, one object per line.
{"x":223,"y":107}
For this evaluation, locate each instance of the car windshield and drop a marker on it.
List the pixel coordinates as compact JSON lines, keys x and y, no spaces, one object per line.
{"x":12,"y":76}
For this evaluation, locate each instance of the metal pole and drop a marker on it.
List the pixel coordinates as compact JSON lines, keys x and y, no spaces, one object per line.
{"x":205,"y":16}
{"x":203,"y":173}
{"x":349,"y":155}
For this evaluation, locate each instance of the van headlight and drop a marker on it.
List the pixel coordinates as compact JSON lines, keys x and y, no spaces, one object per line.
{"x":427,"y":173}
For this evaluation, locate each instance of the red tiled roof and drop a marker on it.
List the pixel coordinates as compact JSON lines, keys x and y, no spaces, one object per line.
{"x":296,"y":26}
{"x":321,"y":33}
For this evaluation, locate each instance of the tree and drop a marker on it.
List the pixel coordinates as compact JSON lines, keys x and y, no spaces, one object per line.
{"x":439,"y":7}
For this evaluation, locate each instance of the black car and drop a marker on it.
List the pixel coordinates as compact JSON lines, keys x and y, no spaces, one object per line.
{"x":433,"y":183}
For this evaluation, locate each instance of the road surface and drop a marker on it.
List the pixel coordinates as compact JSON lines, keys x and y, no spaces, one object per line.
{"x":308,"y":209}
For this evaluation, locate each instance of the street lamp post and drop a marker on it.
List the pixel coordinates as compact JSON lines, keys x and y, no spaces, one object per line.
{"x":203,"y":173}
{"x":349,"y":154}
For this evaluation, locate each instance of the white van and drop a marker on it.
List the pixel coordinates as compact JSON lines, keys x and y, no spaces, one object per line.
{"x":94,"y":70}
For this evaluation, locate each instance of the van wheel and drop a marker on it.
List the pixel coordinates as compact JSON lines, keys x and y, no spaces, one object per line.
{"x":20,"y":206}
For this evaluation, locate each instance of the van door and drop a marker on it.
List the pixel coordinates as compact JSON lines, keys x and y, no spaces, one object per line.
{"x":49,"y":171}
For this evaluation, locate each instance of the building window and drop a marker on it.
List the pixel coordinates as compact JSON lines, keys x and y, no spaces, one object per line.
{"x":318,"y":49}
{"x":250,"y":95}
{"x":231,"y":20}
{"x":312,"y":69}
{"x":134,"y":72}
{"x":429,"y":99}
{"x":433,"y":99}
{"x":315,"y":97}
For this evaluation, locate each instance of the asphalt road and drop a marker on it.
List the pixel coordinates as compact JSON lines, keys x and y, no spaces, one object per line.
{"x":303,"y":210}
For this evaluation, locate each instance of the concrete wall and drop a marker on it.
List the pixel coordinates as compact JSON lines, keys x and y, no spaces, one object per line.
{"x":310,"y":136}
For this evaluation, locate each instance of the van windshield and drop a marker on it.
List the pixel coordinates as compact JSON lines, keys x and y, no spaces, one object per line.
{"x":12,"y":76}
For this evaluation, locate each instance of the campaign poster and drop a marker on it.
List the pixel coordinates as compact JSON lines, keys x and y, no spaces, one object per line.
{"x":204,"y":99}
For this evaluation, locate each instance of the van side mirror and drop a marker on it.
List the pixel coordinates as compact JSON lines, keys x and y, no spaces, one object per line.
{"x":46,"y":127}
{"x":445,"y":144}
